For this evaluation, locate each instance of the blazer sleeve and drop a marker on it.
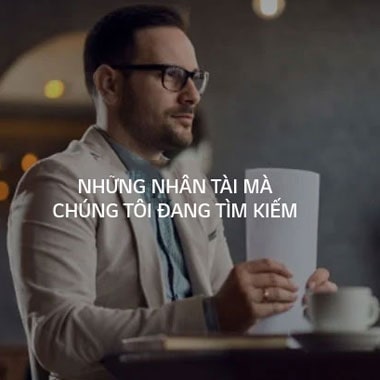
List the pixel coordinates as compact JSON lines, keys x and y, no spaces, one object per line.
{"x":53,"y":263}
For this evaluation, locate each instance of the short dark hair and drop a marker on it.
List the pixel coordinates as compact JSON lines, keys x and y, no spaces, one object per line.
{"x":111,"y":40}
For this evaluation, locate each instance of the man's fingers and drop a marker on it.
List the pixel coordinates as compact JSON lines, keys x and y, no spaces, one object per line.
{"x":267,"y":265}
{"x":320,"y":276}
{"x":272,"y":280}
{"x":271,"y":301}
{"x":279,"y":295}
{"x":328,"y":286}
{"x":265,"y":295}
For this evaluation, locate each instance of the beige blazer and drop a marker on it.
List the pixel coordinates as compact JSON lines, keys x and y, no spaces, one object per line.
{"x":83,"y":284}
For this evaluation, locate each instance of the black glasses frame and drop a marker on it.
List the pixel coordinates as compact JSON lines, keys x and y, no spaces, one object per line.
{"x":163,"y":68}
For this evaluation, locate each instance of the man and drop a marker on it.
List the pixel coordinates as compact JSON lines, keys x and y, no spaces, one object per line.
{"x":84,"y":283}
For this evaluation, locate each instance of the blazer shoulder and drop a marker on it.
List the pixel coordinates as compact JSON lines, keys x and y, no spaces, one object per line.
{"x":65,"y":167}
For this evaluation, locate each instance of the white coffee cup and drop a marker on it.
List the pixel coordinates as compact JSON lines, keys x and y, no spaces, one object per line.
{"x":350,"y":309}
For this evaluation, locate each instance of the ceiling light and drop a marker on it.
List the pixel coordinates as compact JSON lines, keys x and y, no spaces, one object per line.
{"x":268,"y":9}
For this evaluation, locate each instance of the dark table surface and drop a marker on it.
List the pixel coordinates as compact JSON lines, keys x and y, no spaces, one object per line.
{"x":246,"y":364}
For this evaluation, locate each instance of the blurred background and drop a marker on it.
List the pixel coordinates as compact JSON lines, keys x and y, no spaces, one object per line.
{"x":293,"y":84}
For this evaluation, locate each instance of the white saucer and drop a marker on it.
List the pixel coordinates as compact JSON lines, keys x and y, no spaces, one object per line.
{"x":339,"y":341}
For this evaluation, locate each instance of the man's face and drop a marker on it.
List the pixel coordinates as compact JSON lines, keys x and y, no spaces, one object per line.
{"x":158,"y":119}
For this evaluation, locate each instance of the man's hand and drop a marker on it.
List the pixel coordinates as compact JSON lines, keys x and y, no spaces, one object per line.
{"x":319,"y":282}
{"x":254,"y":290}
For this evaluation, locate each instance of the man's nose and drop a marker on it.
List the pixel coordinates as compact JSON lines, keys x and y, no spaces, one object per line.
{"x":189,"y":94}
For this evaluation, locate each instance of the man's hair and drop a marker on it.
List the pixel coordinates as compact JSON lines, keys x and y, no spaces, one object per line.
{"x":111,"y":40}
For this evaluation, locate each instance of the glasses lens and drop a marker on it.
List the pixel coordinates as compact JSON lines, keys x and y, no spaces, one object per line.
{"x":200,"y":79}
{"x":174,"y":78}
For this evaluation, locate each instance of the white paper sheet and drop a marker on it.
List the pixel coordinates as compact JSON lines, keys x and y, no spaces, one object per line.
{"x":292,"y":241}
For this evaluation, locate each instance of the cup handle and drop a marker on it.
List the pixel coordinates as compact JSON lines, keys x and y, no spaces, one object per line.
{"x":374,"y":311}
{"x":306,"y":314}
{"x":306,"y":307}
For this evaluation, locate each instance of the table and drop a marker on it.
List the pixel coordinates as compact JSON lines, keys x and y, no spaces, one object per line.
{"x":246,"y":364}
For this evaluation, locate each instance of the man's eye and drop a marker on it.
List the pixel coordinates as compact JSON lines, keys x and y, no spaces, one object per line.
{"x":174,"y":73}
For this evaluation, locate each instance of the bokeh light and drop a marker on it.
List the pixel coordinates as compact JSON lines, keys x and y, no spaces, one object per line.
{"x":28,"y":160}
{"x":4,"y":191}
{"x":54,"y":89}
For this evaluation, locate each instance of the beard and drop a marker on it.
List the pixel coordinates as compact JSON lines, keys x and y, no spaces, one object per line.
{"x":162,"y":132}
{"x":175,"y":135}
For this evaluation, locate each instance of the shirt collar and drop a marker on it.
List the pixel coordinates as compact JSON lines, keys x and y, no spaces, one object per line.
{"x":136,"y":165}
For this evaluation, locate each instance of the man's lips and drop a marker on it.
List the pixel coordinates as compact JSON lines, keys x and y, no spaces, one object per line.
{"x":187,"y":116}
{"x":185,"y":119}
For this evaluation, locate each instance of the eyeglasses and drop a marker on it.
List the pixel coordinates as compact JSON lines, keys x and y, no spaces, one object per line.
{"x":173,"y":78}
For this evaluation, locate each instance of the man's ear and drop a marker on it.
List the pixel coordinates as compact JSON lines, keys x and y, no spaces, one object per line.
{"x":108,"y":83}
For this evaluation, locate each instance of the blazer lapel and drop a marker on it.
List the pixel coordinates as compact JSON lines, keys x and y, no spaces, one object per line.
{"x":150,"y":272}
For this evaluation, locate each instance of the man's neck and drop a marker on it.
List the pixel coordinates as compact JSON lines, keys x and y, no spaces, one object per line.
{"x":154,"y":157}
